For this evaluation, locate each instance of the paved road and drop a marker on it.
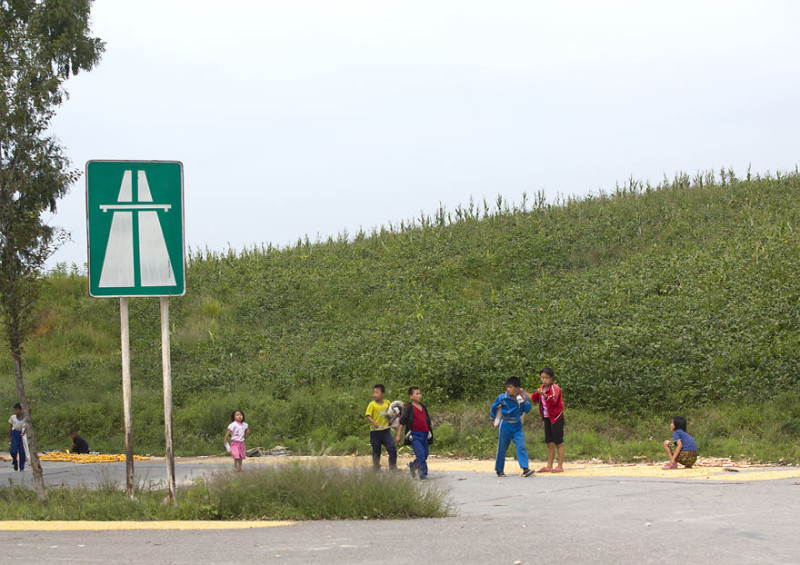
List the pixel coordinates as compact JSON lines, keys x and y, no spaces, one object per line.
{"x":543,"y":519}
{"x":58,"y":473}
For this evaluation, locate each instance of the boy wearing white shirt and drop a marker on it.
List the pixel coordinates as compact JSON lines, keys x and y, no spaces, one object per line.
{"x":16,"y":431}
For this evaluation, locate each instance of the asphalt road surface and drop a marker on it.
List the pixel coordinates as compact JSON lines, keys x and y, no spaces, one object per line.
{"x":542,"y":519}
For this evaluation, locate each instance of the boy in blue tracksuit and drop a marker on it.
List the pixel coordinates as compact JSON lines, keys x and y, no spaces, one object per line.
{"x":512,"y":405}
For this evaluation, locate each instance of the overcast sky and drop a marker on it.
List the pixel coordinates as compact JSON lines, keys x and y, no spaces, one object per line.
{"x":308,"y":117}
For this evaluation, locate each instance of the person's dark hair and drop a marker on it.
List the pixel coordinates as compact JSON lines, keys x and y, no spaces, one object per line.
{"x":680,"y":423}
{"x":411,"y":390}
{"x":72,"y":432}
{"x":233,"y":415}
{"x":549,"y":372}
{"x":381,"y":387}
{"x":18,"y":405}
{"x":513,"y":381}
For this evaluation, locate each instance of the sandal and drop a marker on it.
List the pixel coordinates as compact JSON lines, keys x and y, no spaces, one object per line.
{"x":670,"y":466}
{"x":557,"y":470}
{"x":545,"y":470}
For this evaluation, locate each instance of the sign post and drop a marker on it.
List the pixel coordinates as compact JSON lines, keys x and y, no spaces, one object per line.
{"x":166,"y":369}
{"x":135,"y":234}
{"x":125,"y":340}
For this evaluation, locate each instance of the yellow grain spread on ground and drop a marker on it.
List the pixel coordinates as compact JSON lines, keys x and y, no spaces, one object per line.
{"x":66,"y":456}
{"x":714,"y":473}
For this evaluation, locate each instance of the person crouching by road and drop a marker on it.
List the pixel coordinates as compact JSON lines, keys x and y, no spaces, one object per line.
{"x":682,"y":449}
{"x":79,"y":445}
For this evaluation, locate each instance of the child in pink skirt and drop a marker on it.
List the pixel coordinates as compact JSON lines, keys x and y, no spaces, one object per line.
{"x":237,"y":430}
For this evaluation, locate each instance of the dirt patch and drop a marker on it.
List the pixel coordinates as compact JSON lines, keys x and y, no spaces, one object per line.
{"x":705,"y":468}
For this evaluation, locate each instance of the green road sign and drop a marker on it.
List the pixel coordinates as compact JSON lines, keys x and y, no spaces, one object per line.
{"x":134,"y":217}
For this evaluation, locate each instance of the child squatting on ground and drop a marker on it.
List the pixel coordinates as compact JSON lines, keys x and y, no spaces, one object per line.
{"x":417,"y":421}
{"x":79,"y":445}
{"x":682,"y":449}
{"x":512,"y":404}
{"x":16,"y":429}
{"x":551,"y":408}
{"x":380,"y":434}
{"x":238,"y":430}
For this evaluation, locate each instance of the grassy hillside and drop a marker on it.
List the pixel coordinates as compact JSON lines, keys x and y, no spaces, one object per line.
{"x":651,"y":300}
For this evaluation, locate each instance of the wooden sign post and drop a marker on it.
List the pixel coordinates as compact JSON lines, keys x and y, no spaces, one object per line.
{"x":135,"y":234}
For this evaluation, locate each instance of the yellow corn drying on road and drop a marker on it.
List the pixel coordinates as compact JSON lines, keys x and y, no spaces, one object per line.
{"x":87,"y":458}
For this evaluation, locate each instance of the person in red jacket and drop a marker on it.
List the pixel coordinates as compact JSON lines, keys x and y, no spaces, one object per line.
{"x":551,"y":407}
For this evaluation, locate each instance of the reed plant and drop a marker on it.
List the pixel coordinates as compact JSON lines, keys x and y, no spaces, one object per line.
{"x":287,"y":492}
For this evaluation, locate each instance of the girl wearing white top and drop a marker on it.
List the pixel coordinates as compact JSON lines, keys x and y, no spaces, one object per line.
{"x":238,"y":430}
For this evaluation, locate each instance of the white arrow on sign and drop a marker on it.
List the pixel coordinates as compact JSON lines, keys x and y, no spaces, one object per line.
{"x":155,"y":267}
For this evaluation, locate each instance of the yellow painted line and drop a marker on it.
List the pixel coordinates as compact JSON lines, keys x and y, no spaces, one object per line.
{"x":87,"y":525}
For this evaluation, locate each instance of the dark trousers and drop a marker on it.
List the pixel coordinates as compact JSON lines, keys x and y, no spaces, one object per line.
{"x":376,"y":440}
{"x":17,"y":448}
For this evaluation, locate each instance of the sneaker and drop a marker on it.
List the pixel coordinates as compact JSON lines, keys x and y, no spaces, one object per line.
{"x":527,"y":472}
{"x":423,"y":477}
{"x":413,"y":469}
{"x":501,"y":474}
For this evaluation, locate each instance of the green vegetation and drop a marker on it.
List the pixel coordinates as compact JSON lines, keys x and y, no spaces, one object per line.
{"x":651,"y":301}
{"x":289,"y":492}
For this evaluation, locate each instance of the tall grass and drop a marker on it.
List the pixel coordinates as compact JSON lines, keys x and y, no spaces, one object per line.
{"x":288,"y":492}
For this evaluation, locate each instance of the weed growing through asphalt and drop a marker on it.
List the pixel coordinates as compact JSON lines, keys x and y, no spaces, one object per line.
{"x":292,"y":492}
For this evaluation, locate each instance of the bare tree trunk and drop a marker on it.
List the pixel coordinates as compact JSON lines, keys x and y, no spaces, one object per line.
{"x":36,"y":466}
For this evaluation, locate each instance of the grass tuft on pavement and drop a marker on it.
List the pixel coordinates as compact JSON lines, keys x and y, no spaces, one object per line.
{"x":289,"y":492}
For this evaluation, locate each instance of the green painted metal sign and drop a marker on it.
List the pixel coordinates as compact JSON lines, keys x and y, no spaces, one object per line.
{"x":134,"y":218}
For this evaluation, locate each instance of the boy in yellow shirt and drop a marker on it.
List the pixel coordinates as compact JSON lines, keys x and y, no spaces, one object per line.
{"x":380,"y":434}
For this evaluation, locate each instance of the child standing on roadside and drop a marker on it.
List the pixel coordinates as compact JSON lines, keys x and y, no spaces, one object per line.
{"x":417,"y":421}
{"x":380,"y":434}
{"x":551,"y":408}
{"x":682,"y":449}
{"x":16,"y":431}
{"x":238,"y":430}
{"x":513,"y":404}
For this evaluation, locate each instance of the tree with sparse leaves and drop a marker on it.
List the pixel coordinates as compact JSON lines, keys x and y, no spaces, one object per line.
{"x":42,"y":43}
